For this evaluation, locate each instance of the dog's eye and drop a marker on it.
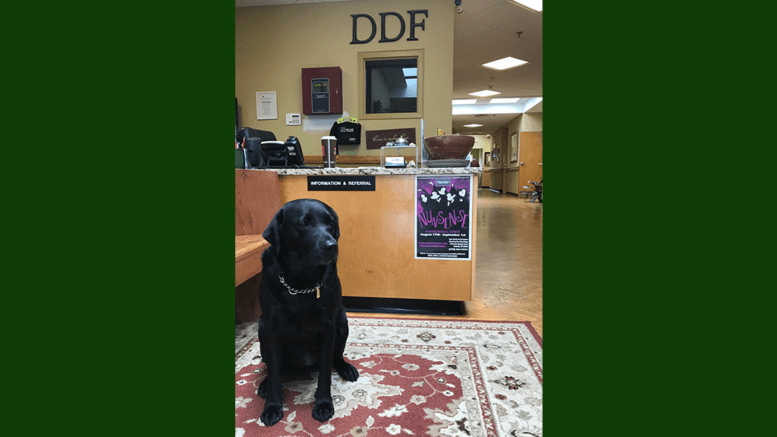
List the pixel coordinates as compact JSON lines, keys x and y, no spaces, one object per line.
{"x":303,"y":222}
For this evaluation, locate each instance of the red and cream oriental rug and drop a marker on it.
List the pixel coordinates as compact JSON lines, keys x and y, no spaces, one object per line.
{"x":417,"y":377}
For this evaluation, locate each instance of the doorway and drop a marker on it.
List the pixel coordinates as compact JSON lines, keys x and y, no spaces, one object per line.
{"x":530,"y":158}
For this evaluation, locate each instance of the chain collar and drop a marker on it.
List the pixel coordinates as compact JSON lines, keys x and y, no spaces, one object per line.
{"x":294,"y":291}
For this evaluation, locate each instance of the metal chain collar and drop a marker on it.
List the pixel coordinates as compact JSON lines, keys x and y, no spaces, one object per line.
{"x":295,"y":291}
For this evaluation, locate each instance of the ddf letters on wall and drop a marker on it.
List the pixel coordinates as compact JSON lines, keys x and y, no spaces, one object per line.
{"x":443,"y":217}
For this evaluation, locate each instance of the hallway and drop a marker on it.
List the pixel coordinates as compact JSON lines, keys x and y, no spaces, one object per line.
{"x":508,"y":276}
{"x":508,"y":279}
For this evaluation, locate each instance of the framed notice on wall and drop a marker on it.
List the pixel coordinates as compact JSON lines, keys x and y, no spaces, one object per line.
{"x":443,"y":217}
{"x":514,"y":147}
{"x":266,"y":106}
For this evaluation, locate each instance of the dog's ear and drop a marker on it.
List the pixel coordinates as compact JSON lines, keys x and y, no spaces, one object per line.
{"x":337,"y":224}
{"x":272,"y":233}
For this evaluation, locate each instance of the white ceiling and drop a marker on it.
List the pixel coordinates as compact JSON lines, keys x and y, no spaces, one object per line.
{"x":485,"y":30}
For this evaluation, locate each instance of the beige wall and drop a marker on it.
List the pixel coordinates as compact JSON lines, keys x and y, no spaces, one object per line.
{"x":482,"y":142}
{"x":529,"y":122}
{"x":482,"y":145}
{"x":274,"y":43}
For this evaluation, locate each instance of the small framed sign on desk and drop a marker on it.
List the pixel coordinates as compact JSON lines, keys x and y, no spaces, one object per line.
{"x":378,"y":138}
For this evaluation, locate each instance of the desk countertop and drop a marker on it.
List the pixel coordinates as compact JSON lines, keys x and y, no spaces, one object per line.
{"x":372,"y":171}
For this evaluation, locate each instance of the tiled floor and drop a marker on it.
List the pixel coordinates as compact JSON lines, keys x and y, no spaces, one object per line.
{"x":508,"y":279}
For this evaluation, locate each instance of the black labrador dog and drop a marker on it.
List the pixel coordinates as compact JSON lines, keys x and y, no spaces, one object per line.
{"x":303,"y":321}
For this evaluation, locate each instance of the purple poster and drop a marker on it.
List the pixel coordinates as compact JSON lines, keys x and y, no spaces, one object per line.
{"x":443,"y":217}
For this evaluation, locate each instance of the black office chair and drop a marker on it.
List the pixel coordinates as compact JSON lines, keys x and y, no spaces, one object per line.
{"x":253,"y":142}
{"x":249,"y":132}
{"x":253,"y":147}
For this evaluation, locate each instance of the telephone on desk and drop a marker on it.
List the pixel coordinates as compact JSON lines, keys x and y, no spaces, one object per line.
{"x":287,"y":154}
{"x":295,"y":151}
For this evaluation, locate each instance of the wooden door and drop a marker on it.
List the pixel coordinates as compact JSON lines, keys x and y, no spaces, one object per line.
{"x":530,"y":158}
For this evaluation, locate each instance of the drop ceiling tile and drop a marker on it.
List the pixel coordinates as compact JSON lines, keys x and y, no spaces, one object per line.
{"x":499,"y":14}
{"x":471,"y":7}
{"x":530,"y":29}
{"x":464,"y":29}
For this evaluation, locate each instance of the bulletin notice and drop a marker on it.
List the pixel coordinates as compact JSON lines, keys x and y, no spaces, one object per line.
{"x":443,"y":217}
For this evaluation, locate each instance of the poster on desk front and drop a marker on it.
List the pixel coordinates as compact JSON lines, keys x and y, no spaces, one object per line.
{"x":443,"y":217}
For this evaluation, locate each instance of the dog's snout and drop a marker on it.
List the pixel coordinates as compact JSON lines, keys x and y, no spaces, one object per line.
{"x":330,"y":246}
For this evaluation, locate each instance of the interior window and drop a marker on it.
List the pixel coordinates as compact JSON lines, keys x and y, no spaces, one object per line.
{"x":391,"y":86}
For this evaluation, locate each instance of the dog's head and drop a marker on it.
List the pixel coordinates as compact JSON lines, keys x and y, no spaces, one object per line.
{"x":304,"y":232}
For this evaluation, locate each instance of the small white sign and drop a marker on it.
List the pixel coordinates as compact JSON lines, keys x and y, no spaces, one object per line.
{"x":293,"y":119}
{"x":266,"y":106}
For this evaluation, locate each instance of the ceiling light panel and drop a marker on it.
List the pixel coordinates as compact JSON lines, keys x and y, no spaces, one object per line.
{"x":473,"y":125}
{"x":465,"y":101}
{"x":485,"y":93}
{"x":506,"y":100}
{"x":535,"y":5}
{"x":504,"y":63}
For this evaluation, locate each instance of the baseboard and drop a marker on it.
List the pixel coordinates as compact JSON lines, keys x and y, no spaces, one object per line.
{"x":403,"y":306}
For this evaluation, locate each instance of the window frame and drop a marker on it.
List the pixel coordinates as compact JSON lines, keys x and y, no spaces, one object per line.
{"x":388,"y":55}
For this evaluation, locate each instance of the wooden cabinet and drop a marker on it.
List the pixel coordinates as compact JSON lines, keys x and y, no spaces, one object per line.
{"x":485,"y":180}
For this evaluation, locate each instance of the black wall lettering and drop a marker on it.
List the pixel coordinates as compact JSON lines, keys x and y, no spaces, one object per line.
{"x":383,"y":27}
{"x":356,"y":40}
{"x":413,"y":24}
{"x":383,"y":38}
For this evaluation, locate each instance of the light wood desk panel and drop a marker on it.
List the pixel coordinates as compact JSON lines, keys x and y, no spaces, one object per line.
{"x":377,"y":253}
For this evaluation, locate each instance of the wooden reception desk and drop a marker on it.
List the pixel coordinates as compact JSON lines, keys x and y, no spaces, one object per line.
{"x":377,"y":228}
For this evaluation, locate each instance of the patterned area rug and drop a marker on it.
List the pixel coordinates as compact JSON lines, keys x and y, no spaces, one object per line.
{"x":416,"y":377}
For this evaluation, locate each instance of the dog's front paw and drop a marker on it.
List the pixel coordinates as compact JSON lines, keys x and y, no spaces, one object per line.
{"x":348,"y":372}
{"x":323,"y":410}
{"x":272,"y":414}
